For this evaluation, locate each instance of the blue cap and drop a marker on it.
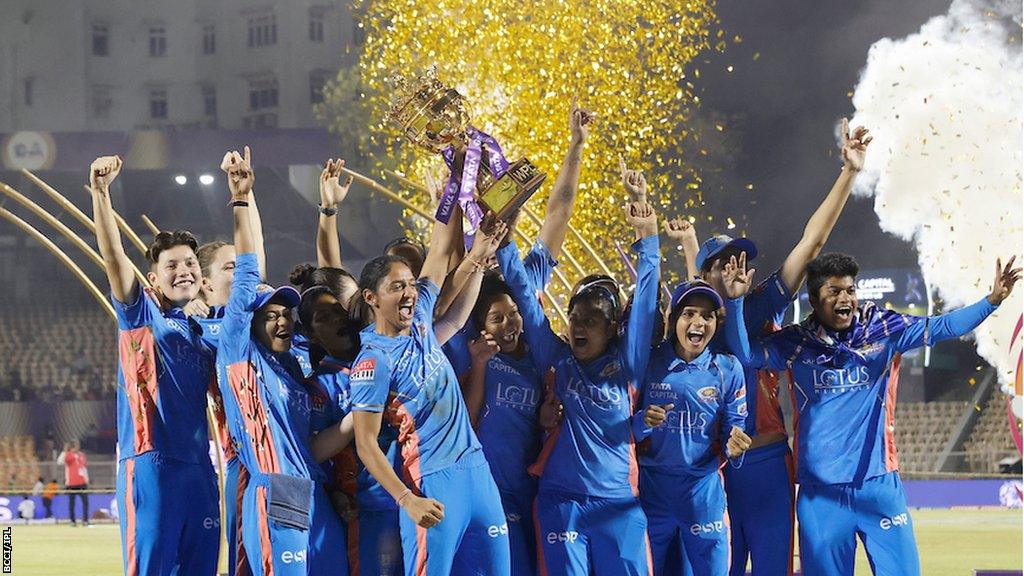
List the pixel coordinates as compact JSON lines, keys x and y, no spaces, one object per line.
{"x":266,"y":292}
{"x":686,"y":290}
{"x":716,"y":244}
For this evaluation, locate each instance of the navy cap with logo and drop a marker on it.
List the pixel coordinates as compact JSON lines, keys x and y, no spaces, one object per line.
{"x":717,"y":244}
{"x":287,"y":295}
{"x":686,"y":290}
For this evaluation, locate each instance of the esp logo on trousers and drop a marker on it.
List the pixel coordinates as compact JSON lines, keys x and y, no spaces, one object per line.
{"x":707,"y":528}
{"x":897,"y":520}
{"x":289,"y":557}
{"x":568,"y":536}
{"x":495,"y":531}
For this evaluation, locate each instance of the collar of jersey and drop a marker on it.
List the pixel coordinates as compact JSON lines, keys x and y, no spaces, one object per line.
{"x":677,"y":364}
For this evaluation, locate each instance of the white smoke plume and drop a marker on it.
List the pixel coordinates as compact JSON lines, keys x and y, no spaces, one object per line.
{"x":944,"y":105}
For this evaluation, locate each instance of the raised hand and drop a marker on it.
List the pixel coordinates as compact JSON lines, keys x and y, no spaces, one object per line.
{"x":1006,"y":278}
{"x":655,"y":415}
{"x":679,"y":230}
{"x":855,"y":147}
{"x":332,"y":190}
{"x":641,"y":216}
{"x":736,"y":278}
{"x":580,"y":121}
{"x":738,"y":442}
{"x":483,"y":349}
{"x":239,"y":170}
{"x":488,"y":238}
{"x":634,"y":182}
{"x":103,"y":171}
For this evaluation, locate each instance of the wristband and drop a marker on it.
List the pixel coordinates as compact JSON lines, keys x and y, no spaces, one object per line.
{"x":239,"y":204}
{"x":401,"y":497}
{"x":327,"y":211}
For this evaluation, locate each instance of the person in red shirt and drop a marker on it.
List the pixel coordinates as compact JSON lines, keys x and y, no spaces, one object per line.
{"x":76,"y":478}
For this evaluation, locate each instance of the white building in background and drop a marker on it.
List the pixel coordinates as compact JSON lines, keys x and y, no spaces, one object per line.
{"x":122,"y":65}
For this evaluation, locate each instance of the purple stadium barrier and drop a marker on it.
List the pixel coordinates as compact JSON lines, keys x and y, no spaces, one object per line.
{"x":99,"y":504}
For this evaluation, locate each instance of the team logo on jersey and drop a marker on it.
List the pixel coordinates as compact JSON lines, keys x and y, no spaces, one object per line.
{"x":611,"y":370}
{"x":364,"y":371}
{"x":708,"y":394}
{"x":870,"y":349}
{"x":742,"y":410}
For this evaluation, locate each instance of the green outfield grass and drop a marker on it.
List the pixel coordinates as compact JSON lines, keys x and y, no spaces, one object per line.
{"x":952,"y":543}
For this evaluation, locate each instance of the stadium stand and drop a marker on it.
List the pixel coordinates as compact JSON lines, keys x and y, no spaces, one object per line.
{"x":19,"y":466}
{"x":990,"y":440}
{"x":922,"y":430}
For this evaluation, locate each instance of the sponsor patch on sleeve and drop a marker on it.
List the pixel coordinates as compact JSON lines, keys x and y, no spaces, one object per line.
{"x":364,"y":371}
{"x":741,"y":392}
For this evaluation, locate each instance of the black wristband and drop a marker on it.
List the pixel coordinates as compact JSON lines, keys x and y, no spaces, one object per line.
{"x":239,"y":204}
{"x":332,"y":211}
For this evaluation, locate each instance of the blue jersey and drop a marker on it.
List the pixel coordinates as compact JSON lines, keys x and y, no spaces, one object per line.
{"x":844,"y":386}
{"x":763,"y":311}
{"x":413,"y":383}
{"x":267,"y":408}
{"x":164,"y":371}
{"x":709,"y":398}
{"x":507,"y":426}
{"x":591,"y":452}
{"x":331,"y":400}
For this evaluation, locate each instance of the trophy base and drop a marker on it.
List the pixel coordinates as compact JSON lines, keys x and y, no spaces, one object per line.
{"x":506,"y":195}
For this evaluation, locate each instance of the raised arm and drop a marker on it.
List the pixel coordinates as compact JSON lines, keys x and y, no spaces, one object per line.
{"x":118,"y":267}
{"x":332,"y":193}
{"x":820,"y":225}
{"x":467,"y":277}
{"x":637,"y":339}
{"x":737,"y":280}
{"x":544,"y":345}
{"x":682,"y":233}
{"x":931,"y":330}
{"x":563,"y":194}
{"x":442,"y":242}
{"x":238,"y":311}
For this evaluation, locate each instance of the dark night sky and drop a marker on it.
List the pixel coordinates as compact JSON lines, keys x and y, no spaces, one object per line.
{"x":780,"y":112}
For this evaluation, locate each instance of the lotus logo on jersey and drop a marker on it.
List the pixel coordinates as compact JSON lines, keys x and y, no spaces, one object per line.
{"x":840,"y":379}
{"x":707,"y":528}
{"x":708,"y":393}
{"x":897,"y":520}
{"x":289,"y":557}
{"x":495,"y":531}
{"x":364,"y":371}
{"x":568,"y":536}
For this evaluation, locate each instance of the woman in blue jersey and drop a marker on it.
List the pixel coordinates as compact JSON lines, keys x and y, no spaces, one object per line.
{"x":289,"y":526}
{"x":453,"y":521}
{"x":693,"y":403}
{"x":503,"y":394}
{"x":588,"y":517}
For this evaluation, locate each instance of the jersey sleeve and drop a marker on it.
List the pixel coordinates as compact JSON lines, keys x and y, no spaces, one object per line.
{"x":766,"y":304}
{"x":769,"y":352}
{"x":427,"y":297}
{"x":734,"y":332}
{"x":735,"y":396}
{"x":370,"y":380}
{"x":539,"y":265}
{"x":637,"y":339}
{"x":930,"y":330}
{"x":132,"y":315}
{"x":236,"y":326}
{"x":457,"y":350}
{"x":544,"y":345}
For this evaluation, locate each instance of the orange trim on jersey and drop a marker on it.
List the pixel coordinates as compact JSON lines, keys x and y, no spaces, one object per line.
{"x":537,"y":468}
{"x":266,"y":552}
{"x":353,"y":544}
{"x":137,"y":356}
{"x":650,"y":555}
{"x":220,"y":417}
{"x":129,"y":516}
{"x":408,"y":438}
{"x":634,"y":467}
{"x":728,"y":527}
{"x":892,"y":460}
{"x":791,"y":468}
{"x":241,"y":560}
{"x":541,"y":565}
{"x":768,"y":415}
{"x":242,"y":379}
{"x":796,"y":417}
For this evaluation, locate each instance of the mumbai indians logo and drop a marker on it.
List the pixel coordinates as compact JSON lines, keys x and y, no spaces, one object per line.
{"x":364,"y":371}
{"x":840,"y":379}
{"x":708,"y":394}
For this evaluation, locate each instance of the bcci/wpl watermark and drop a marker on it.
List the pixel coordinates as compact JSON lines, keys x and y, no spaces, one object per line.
{"x":8,"y":550}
